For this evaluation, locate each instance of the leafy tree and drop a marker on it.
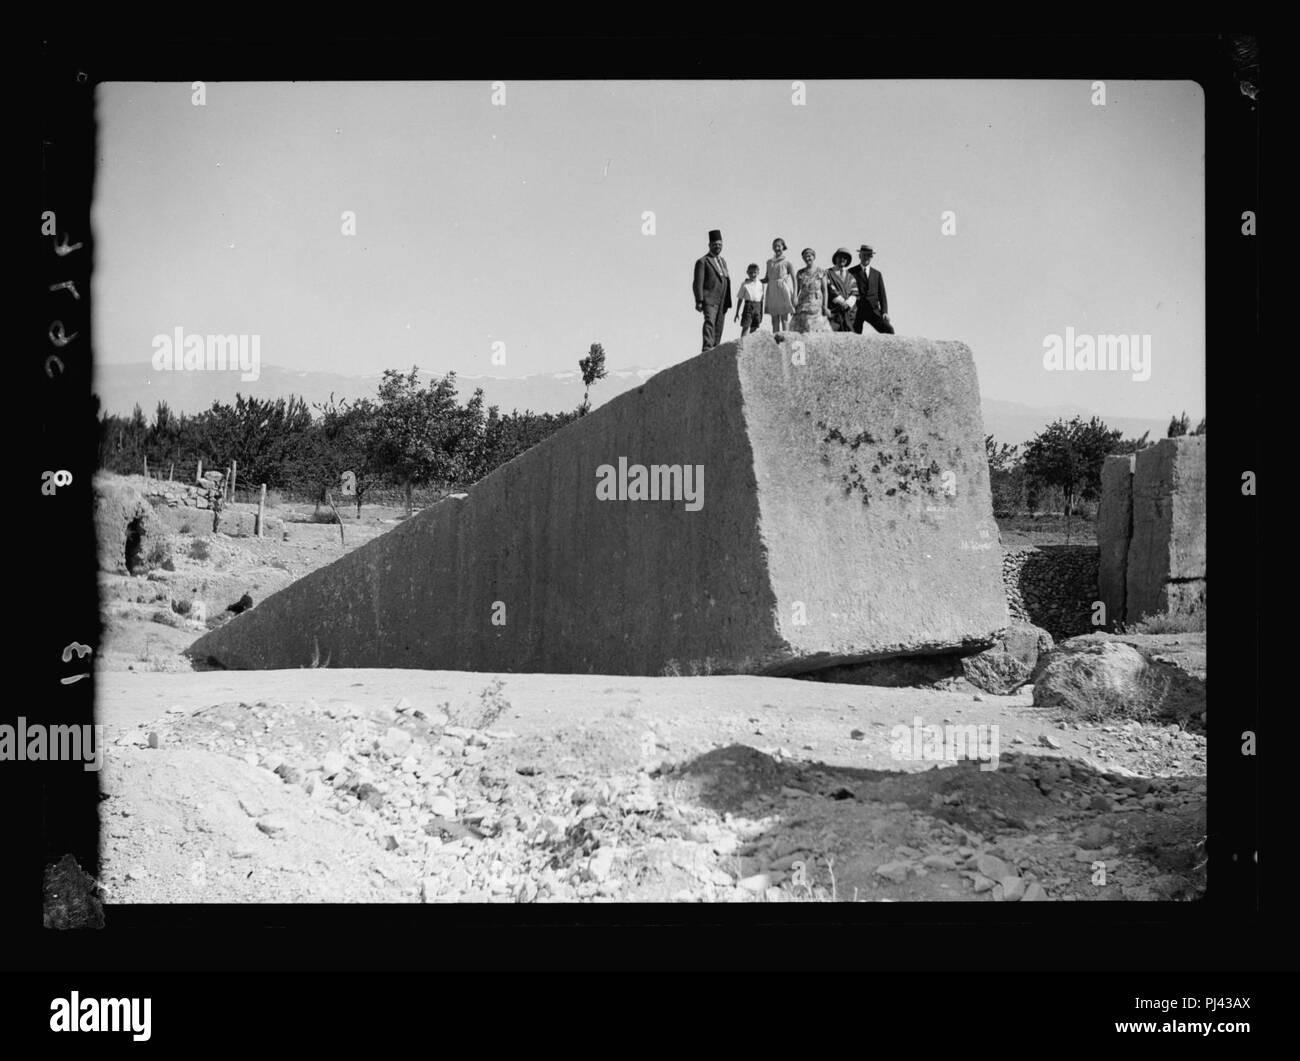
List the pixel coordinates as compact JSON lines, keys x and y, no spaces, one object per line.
{"x":1069,"y":455}
{"x":1200,"y":428}
{"x":1132,"y":445}
{"x":420,"y":434}
{"x":338,"y":441}
{"x":1178,"y":426}
{"x":507,"y":436}
{"x":593,"y":369}
{"x":999,"y":457}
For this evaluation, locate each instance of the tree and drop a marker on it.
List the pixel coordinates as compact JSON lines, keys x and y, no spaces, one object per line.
{"x":422,"y":435}
{"x":1132,"y":445}
{"x":999,"y":457}
{"x":1006,"y":476}
{"x":593,"y":369}
{"x":507,"y":436}
{"x":339,"y":441}
{"x":1069,"y":455}
{"x":1178,"y":426}
{"x":1200,"y":428}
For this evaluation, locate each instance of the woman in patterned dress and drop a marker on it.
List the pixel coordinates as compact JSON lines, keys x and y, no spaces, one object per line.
{"x":810,"y":308}
{"x":780,"y":281}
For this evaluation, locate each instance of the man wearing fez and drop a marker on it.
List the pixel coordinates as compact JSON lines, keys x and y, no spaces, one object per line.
{"x":712,"y":288}
{"x":873,"y":305}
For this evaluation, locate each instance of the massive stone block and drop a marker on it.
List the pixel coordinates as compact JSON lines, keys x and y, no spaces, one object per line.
{"x":1114,"y":528}
{"x":844,"y":516}
{"x":1166,"y":557}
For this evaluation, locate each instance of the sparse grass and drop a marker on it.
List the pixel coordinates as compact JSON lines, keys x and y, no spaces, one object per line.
{"x":167,"y":618}
{"x":200,"y":549}
{"x":1170,"y":624}
{"x":1140,"y":703}
{"x":159,"y":554}
{"x":492,"y":705}
{"x":672,"y":669}
{"x":273,"y":499}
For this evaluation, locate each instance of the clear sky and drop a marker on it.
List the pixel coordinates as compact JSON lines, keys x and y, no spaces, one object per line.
{"x":522,"y":223}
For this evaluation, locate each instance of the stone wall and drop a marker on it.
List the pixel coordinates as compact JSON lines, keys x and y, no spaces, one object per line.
{"x":1052,"y":586}
{"x":200,"y":495}
{"x":845,"y":516}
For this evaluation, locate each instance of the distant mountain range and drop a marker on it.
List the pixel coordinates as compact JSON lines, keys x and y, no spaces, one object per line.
{"x":121,"y":386}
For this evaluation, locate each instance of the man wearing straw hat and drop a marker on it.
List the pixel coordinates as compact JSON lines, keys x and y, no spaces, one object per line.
{"x":873,"y":304}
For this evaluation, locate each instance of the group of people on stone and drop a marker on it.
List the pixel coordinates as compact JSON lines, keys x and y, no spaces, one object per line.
{"x":839,"y":299}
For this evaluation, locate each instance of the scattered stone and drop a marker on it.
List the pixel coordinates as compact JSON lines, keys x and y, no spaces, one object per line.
{"x":857,"y":734}
{"x":333,"y":763}
{"x":893,"y":871}
{"x":757,"y":884}
{"x":993,"y":867}
{"x":1048,"y":741}
{"x":1033,"y":893}
{"x":396,"y":742}
{"x":1012,"y":889}
{"x":154,"y":741}
{"x":600,"y":864}
{"x":938,"y":862}
{"x":272,"y":824}
{"x":252,"y":807}
{"x":982,"y":883}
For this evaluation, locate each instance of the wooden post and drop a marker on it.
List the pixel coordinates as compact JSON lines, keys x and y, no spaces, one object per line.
{"x":146,"y":467}
{"x":198,"y":475}
{"x":171,"y":468}
{"x":261,"y":513}
{"x":234,"y":475}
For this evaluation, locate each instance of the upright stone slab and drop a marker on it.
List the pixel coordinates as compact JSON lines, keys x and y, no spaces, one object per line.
{"x":844,"y":516}
{"x":1166,"y":558}
{"x":1114,"y":528}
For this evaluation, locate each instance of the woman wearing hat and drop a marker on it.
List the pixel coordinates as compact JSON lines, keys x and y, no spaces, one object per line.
{"x":842,"y":291}
{"x":780,"y":281}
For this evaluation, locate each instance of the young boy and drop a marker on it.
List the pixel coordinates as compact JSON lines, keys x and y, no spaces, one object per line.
{"x":749,"y":306}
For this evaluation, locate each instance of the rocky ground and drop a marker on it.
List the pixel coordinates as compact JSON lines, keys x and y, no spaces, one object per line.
{"x":446,"y":787}
{"x":324,"y":785}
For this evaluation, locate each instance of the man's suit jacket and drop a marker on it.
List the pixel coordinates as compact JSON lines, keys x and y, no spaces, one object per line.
{"x":711,"y":286}
{"x":871,"y":290}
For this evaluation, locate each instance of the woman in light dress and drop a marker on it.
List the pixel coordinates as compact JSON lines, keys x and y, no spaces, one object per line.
{"x":810,"y":307}
{"x":780,"y":281}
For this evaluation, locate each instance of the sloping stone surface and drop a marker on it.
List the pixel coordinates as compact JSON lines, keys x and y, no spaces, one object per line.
{"x":846,"y":516}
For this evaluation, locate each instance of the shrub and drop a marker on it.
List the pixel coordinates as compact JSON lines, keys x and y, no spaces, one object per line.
{"x":1170,"y":624}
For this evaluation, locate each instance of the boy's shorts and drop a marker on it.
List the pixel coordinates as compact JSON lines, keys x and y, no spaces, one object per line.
{"x":751,"y":315}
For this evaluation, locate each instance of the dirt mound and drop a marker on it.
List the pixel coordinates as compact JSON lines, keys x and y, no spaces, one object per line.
{"x":1097,"y":680}
{"x":131,"y":538}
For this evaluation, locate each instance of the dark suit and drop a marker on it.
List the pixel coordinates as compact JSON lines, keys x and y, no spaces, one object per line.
{"x":712,"y":286}
{"x":872,"y":301}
